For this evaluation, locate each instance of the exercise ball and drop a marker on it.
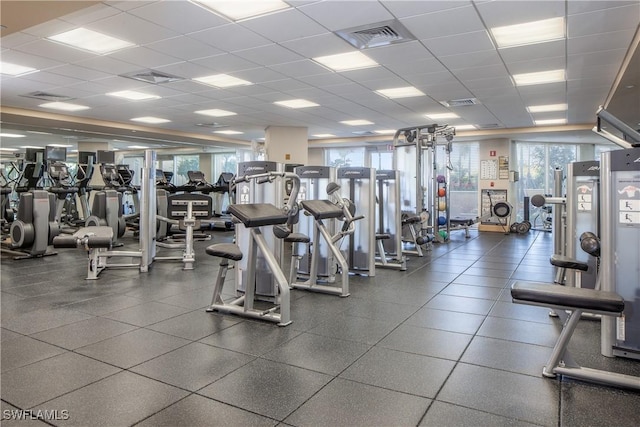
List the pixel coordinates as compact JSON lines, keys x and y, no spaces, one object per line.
{"x":442,"y":220}
{"x":442,"y":205}
{"x":441,"y":179}
{"x":443,"y":234}
{"x":442,"y":192}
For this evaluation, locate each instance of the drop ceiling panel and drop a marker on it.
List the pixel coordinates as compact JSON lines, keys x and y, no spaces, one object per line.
{"x":496,"y":14}
{"x":403,"y":8}
{"x":367,"y":74}
{"x":192,"y":17}
{"x":114,"y":66}
{"x":534,"y":51}
{"x":185,"y":48}
{"x":432,"y":79}
{"x":481,"y":73}
{"x":474,"y":59}
{"x":502,"y":82}
{"x":128,"y":5}
{"x":447,"y":91}
{"x":29,"y":60}
{"x":90,"y":14}
{"x":259,"y":75}
{"x":419,"y":103}
{"x":132,"y":29}
{"x":283,"y":85}
{"x":226,"y":63}
{"x":399,"y":52}
{"x":187,"y":70}
{"x":412,"y":67}
{"x":604,"y":21}
{"x":50,"y":28}
{"x":272,"y":54}
{"x":282,"y":26}
{"x":44,"y":79}
{"x":550,"y":88}
{"x":598,"y":42}
{"x":602,"y":58}
{"x":340,"y":15}
{"x":606,"y":72}
{"x":535,"y":65}
{"x":54,"y":51}
{"x":324,"y":80}
{"x":386,"y":83}
{"x":576,"y":7}
{"x":486,"y":93}
{"x":320,"y":45}
{"x":444,"y":23}
{"x":462,"y":43}
{"x":144,"y":57}
{"x":298,"y":69}
{"x":78,"y":72}
{"x":12,"y":41}
{"x":230,"y":38}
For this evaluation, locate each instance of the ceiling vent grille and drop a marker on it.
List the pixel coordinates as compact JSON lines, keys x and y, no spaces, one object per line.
{"x":378,"y":34}
{"x":213,"y":125}
{"x":364,"y":133}
{"x":48,"y":96}
{"x":464,"y":102}
{"x":153,"y":77}
{"x":489,"y":126}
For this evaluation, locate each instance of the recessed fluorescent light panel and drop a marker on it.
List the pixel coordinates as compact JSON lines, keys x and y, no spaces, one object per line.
{"x":15,"y":69}
{"x":150,"y":119}
{"x":133,"y":95}
{"x":546,"y":108}
{"x":400,"y":92}
{"x":228,"y":132}
{"x":60,"y":145}
{"x":550,"y":122}
{"x":464,"y":127}
{"x":296,"y":103}
{"x":63,"y":106}
{"x":442,"y":116}
{"x":542,"y":77}
{"x":138,"y":147}
{"x":323,"y":135}
{"x":8,"y":149}
{"x":357,"y":122}
{"x":216,"y":113}
{"x":222,"y":80}
{"x":385,"y":131}
{"x":529,"y":32}
{"x":82,"y":38}
{"x":237,"y":10}
{"x":346,"y":61}
{"x":11,"y":135}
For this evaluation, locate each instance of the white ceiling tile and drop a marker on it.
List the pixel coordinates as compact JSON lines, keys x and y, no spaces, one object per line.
{"x":604,"y":21}
{"x":54,"y":51}
{"x":285,"y":85}
{"x":550,"y":88}
{"x":187,"y":70}
{"x":226,"y":63}
{"x":367,"y":74}
{"x":576,"y":86}
{"x":441,"y":24}
{"x":78,"y":72}
{"x":324,"y":80}
{"x":501,"y":82}
{"x":403,"y":8}
{"x":260,"y":75}
{"x":336,"y":15}
{"x":481,"y":73}
{"x":248,"y":91}
{"x":282,"y":26}
{"x":534,"y":51}
{"x":487,"y":93}
{"x":468,"y":60}
{"x":272,"y":54}
{"x":499,"y":13}
{"x":410,"y":67}
{"x":29,"y":60}
{"x":475,"y":114}
{"x":431,"y":79}
{"x":602,"y":58}
{"x":386,"y":83}
{"x":101,"y":63}
{"x":50,"y":28}
{"x":185,"y":48}
{"x":462,"y":43}
{"x":448,"y":91}
{"x":128,"y":4}
{"x":16,"y":39}
{"x":230,"y":37}
{"x":132,"y":29}
{"x":321,"y":45}
{"x":192,"y":17}
{"x":536,"y":65}
{"x":605,"y":72}
{"x":298,"y":69}
{"x":408,"y":51}
{"x":144,"y":57}
{"x":597,"y":42}
{"x":575,"y":7}
{"x":49,"y":79}
{"x":90,"y":14}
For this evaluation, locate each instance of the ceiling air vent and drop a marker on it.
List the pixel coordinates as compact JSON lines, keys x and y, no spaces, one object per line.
{"x":212,"y":125}
{"x":47,"y":96}
{"x":364,"y":133}
{"x":378,"y":34}
{"x":489,"y":126}
{"x":464,"y":102}
{"x":151,"y":76}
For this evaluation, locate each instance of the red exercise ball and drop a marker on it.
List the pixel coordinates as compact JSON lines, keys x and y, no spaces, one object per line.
{"x":442,"y":192}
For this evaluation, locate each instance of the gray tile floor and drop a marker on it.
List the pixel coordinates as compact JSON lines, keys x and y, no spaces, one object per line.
{"x":440,"y":344}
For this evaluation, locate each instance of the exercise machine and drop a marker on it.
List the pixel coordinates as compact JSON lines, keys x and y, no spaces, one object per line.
{"x":34,"y":228}
{"x":358,"y":185}
{"x":389,"y":221}
{"x":255,"y":219}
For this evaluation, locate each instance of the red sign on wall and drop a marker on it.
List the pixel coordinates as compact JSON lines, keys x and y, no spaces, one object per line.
{"x":492,"y":153}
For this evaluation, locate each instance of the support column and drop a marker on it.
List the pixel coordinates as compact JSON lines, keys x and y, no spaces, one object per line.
{"x":286,"y":144}
{"x":92,"y":146}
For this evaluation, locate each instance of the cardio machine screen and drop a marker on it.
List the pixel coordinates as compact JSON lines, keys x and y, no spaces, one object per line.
{"x":86,"y":157}
{"x":31,"y":154}
{"x":106,"y":157}
{"x":55,"y":154}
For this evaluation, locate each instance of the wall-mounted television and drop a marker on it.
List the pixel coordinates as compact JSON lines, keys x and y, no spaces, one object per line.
{"x":106,"y":157}
{"x":55,"y":154}
{"x":86,"y":157}
{"x":34,"y":155}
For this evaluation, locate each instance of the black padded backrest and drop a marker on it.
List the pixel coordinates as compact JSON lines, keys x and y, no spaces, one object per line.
{"x":322,"y":209}
{"x":566,"y":296}
{"x":258,"y":214}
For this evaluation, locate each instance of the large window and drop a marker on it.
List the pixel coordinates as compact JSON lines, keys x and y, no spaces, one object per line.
{"x":342,"y":157}
{"x":224,"y":162}
{"x":184,"y":164}
{"x":381,"y":159}
{"x":536,"y":166}
{"x":463,"y":179}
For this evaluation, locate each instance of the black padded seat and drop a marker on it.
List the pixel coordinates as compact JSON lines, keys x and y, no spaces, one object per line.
{"x":297,"y":238}
{"x":411,"y":219}
{"x":5,"y":190}
{"x":90,"y":237}
{"x":383,"y":236}
{"x":258,"y":214}
{"x":322,"y":209}
{"x":568,"y":297}
{"x":63,"y":190}
{"x":225,"y":250}
{"x":462,"y":221}
{"x":566,"y":262}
